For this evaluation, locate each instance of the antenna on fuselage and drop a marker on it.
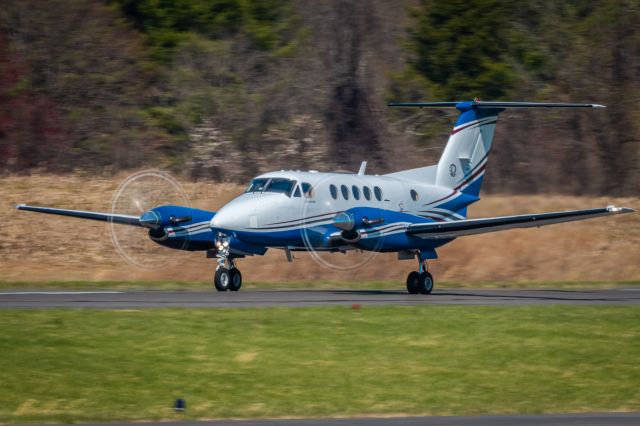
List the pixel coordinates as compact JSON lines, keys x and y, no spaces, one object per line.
{"x":363,"y":167}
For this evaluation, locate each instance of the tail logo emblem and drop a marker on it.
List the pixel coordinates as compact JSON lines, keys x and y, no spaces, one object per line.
{"x":452,"y":170}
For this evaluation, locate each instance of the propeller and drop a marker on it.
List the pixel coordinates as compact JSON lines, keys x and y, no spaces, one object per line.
{"x":345,"y":233}
{"x":137,"y":195}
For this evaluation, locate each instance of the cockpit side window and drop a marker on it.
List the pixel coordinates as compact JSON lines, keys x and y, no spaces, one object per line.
{"x":296,"y":193}
{"x":307,"y":189}
{"x":280,"y":185}
{"x":257,"y":185}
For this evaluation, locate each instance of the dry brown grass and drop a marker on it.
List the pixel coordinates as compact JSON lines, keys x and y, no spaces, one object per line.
{"x":42,"y":248}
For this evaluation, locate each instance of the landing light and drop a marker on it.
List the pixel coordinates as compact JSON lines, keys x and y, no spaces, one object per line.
{"x":222,"y":242}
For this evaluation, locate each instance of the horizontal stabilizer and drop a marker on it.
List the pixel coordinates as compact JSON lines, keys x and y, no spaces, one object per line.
{"x":459,"y":228}
{"x":106,"y":217}
{"x":492,"y":104}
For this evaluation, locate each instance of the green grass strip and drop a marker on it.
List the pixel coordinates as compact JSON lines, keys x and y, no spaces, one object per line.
{"x":99,"y":365}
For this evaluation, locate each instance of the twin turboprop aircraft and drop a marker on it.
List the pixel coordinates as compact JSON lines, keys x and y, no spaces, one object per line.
{"x":411,"y":212}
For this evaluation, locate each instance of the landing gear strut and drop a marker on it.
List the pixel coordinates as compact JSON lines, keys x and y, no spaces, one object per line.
{"x":420,"y":281}
{"x":227,"y":275}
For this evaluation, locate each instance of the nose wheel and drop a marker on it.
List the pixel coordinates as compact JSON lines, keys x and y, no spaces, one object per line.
{"x":420,"y":282}
{"x":221,"y":279}
{"x":235,"y":279}
{"x":227,"y":279}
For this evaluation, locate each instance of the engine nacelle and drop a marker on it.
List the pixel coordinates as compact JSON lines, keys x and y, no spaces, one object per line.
{"x":344,"y":221}
{"x":178,"y":227}
{"x":351,"y":236}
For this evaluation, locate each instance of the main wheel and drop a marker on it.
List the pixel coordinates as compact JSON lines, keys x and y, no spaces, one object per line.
{"x":235,"y":279}
{"x":412,"y":282}
{"x":221,"y":279}
{"x":425,"y":283}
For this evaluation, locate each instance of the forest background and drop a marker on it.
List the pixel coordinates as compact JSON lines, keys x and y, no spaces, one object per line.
{"x":225,"y":89}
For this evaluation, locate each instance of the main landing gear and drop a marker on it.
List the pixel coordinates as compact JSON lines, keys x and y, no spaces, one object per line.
{"x":227,"y":275}
{"x":420,"y":281}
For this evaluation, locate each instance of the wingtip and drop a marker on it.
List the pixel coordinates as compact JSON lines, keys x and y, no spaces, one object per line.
{"x":614,"y":209}
{"x":20,"y":206}
{"x":598,"y":106}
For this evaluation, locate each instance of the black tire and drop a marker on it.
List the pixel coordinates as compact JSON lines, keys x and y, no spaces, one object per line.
{"x":235,"y":279}
{"x":412,"y":282}
{"x":221,"y":279}
{"x":425,"y":283}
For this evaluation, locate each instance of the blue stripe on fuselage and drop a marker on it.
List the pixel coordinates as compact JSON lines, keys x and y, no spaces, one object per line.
{"x":387,"y":236}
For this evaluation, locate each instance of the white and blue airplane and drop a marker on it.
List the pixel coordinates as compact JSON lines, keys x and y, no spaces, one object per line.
{"x":411,"y":212}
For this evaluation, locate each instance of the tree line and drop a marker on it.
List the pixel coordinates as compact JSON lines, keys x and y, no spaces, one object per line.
{"x":224,"y":89}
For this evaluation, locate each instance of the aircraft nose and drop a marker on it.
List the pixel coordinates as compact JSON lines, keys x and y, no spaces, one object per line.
{"x":225,"y":218}
{"x":235,"y":215}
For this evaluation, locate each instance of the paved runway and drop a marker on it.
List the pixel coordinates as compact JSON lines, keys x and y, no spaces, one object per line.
{"x":587,"y":419}
{"x":300,"y":298}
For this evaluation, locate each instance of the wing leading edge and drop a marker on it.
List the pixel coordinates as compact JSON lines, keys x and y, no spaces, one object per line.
{"x":460,"y":228}
{"x":106,"y":217}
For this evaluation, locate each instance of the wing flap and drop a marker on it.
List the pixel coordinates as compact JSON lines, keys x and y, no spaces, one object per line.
{"x":106,"y":217}
{"x":460,"y":228}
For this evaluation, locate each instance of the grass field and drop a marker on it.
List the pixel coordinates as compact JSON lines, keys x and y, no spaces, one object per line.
{"x":98,"y":365}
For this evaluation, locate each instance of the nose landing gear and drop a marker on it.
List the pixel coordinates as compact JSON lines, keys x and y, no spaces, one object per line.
{"x":221,"y":279}
{"x":420,"y":281}
{"x":227,"y":278}
{"x":235,"y":276}
{"x":227,"y":275}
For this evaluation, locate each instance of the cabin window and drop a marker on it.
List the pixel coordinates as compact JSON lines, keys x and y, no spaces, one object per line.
{"x":366,"y":192}
{"x":257,"y":185}
{"x":345,"y":191}
{"x":334,"y":191}
{"x":378,"y":192}
{"x":414,"y":195}
{"x":356,"y":192}
{"x":280,"y":185}
{"x":297,"y":193}
{"x":307,"y":190}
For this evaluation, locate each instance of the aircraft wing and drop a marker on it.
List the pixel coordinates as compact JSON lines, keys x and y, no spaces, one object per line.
{"x":106,"y":217}
{"x":460,"y":228}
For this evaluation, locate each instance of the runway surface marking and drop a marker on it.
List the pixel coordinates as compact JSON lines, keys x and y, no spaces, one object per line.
{"x":304,"y":298}
{"x":582,"y":419}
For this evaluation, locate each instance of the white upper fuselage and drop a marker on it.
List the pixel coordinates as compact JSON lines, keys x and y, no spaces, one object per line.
{"x":257,"y":211}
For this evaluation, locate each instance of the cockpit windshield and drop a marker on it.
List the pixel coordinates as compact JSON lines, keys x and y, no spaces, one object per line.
{"x":283,"y":186}
{"x":279,"y":185}
{"x":257,"y":185}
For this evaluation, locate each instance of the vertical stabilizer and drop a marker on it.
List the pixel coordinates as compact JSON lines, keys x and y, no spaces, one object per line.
{"x":462,"y":164}
{"x":461,"y":167}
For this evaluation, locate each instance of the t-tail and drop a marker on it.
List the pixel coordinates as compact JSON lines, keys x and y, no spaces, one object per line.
{"x":463,"y":161}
